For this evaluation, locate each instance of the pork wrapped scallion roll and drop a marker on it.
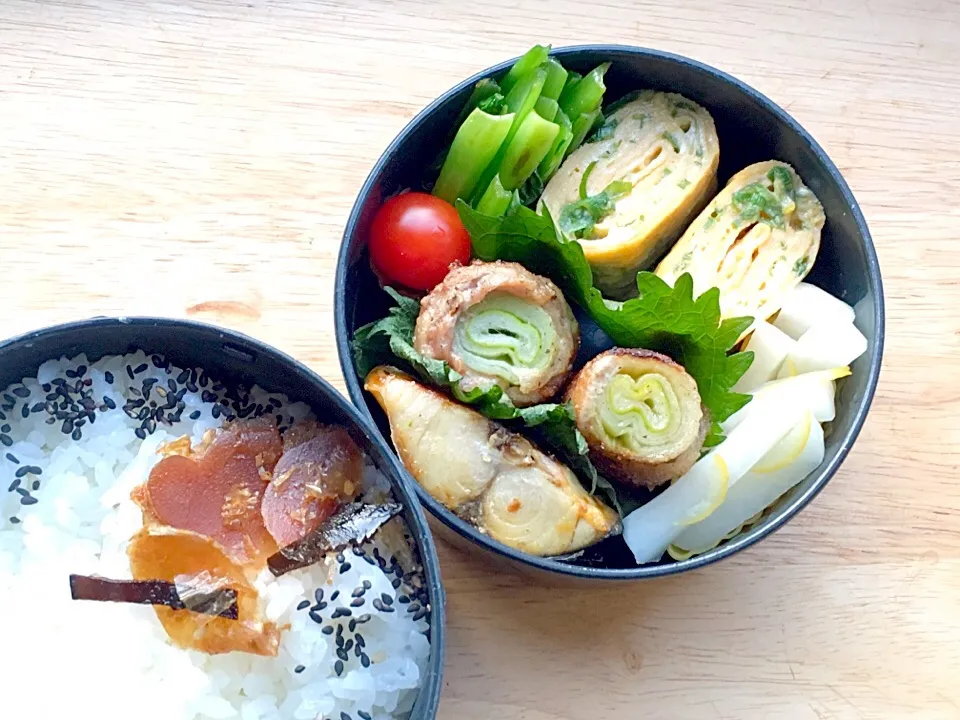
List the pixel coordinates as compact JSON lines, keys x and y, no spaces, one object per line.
{"x":499,"y":324}
{"x":641,"y":415}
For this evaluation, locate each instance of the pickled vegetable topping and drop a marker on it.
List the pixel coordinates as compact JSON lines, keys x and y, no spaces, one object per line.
{"x":196,"y":564}
{"x":309,"y":483}
{"x":218,"y":492}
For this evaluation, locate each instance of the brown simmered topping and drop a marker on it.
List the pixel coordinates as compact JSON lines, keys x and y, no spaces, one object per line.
{"x":310,"y":481}
{"x":217,"y":491}
{"x":195,"y":565}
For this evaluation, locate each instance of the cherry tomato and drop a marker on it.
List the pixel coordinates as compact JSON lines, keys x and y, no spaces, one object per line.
{"x":415,"y":238}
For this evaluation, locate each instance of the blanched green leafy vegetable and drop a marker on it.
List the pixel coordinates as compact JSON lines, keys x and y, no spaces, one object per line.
{"x":757,"y":203}
{"x":391,"y":338}
{"x":578,"y":218}
{"x":663,"y":318}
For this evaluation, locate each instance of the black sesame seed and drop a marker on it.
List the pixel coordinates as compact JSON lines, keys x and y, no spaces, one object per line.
{"x":183,"y":377}
{"x":205,"y":379}
{"x":144,"y":413}
{"x":80,"y":422}
{"x":171,"y":385}
{"x":345,"y":716}
{"x":140,"y":433}
{"x":151,"y":426}
{"x":378,"y":605}
{"x":5,"y":427}
{"x":108,"y":376}
{"x":341,"y":612}
{"x":67,"y":427}
{"x":340,"y":640}
{"x":348,"y":646}
{"x":413,"y":607}
{"x":36,"y":485}
{"x":345,"y":567}
{"x":358,"y":592}
{"x":37,"y":407}
{"x":34,"y":470}
{"x":361,"y":643}
{"x":386,"y":599}
{"x":21,"y":392}
{"x":46,"y":387}
{"x":353,"y":625}
{"x":14,"y":520}
{"x":321,"y":606}
{"x":339,"y":631}
{"x":336,"y":594}
{"x":130,"y":372}
{"x":76,"y":435}
{"x":340,"y":558}
{"x":140,"y":368}
{"x":318,"y":595}
{"x":13,"y":486}
{"x":367,"y":584}
{"x":420,"y":615}
{"x":338,"y":667}
{"x":365,"y":661}
{"x":215,"y":411}
{"x":328,"y":630}
{"x":22,"y":492}
{"x":109,"y":402}
{"x":13,"y":458}
{"x":299,"y":669}
{"x":364,"y":715}
{"x":357,"y":602}
{"x":28,"y":500}
{"x":25,"y":411}
{"x":87,"y":382}
{"x":364,"y":618}
{"x":50,"y":421}
{"x":195,"y":415}
{"x":303,"y":605}
{"x":396,"y":583}
{"x":315,"y":616}
{"x":81,"y":370}
{"x":192,"y":387}
{"x":22,"y":471}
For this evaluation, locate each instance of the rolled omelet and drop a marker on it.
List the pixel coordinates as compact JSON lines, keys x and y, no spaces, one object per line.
{"x":755,"y":241}
{"x":495,"y":479}
{"x":499,"y":324}
{"x":627,"y":196}
{"x":641,"y":415}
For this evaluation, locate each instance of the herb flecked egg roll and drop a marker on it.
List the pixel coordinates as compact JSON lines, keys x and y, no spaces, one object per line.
{"x":499,"y":324}
{"x":630,"y":194}
{"x":641,"y":415}
{"x":755,"y":241}
{"x":495,"y":479}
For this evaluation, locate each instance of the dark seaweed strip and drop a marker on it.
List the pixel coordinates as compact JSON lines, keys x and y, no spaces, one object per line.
{"x":355,"y":522}
{"x":152,"y":592}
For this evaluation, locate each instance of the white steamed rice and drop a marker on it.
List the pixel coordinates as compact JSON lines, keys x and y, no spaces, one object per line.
{"x":64,"y":658}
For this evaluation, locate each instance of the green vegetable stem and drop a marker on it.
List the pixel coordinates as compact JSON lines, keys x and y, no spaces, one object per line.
{"x":581,"y":127}
{"x":529,"y":146}
{"x":525,"y":66}
{"x":585,"y":96}
{"x":495,"y":199}
{"x":551,"y":161}
{"x":474,"y":147}
{"x":556,"y":79}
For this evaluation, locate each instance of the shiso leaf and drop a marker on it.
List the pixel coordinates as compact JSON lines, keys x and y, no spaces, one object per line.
{"x":662,"y":318}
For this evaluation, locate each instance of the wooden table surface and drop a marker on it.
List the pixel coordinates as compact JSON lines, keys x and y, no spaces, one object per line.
{"x":198,"y":159}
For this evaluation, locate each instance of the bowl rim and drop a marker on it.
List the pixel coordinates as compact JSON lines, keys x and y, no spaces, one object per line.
{"x":400,"y":482}
{"x":727,"y":549}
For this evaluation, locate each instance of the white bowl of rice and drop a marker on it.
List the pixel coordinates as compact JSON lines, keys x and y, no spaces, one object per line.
{"x":84,"y":409}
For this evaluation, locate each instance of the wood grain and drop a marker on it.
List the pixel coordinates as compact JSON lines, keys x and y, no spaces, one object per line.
{"x":198,"y":159}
